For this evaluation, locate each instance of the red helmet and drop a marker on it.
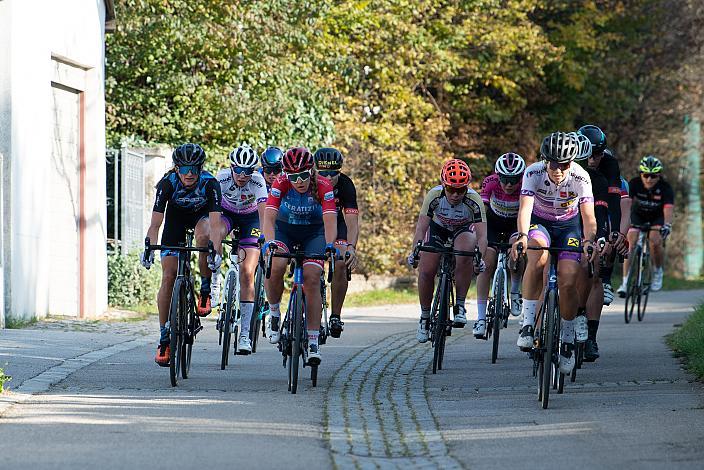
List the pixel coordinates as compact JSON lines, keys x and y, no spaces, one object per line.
{"x":297,"y":159}
{"x":456,"y":174}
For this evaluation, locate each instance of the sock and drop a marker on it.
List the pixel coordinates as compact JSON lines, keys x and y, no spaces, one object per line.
{"x":515,"y":283}
{"x":425,"y":312}
{"x":567,"y":331}
{"x":313,"y":336}
{"x":592,"y":327}
{"x":164,"y":334}
{"x":274,"y":310}
{"x":481,"y":309}
{"x":459,"y":301}
{"x":205,"y":284}
{"x":528,"y":311}
{"x":246,"y":309}
{"x":606,"y":273}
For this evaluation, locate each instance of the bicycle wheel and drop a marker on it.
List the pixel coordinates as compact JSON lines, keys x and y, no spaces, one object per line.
{"x":229,"y":317}
{"x":188,"y":315}
{"x":646,"y":276}
{"x":255,"y":323}
{"x":498,"y":313}
{"x":175,"y":333}
{"x":314,"y":375}
{"x":632,"y":288}
{"x":297,"y":326}
{"x":579,"y":357}
{"x":440,"y":319}
{"x":549,"y":327}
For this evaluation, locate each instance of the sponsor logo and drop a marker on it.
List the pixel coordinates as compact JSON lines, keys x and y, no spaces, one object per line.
{"x":329,"y":196}
{"x":275,"y":192}
{"x":563,"y":194}
{"x":572,"y":242}
{"x":657,"y":197}
{"x":256,"y":232}
{"x":573,"y":194}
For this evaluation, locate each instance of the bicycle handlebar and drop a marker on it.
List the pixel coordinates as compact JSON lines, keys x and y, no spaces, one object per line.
{"x":148,"y":247}
{"x":445,"y":251}
{"x":300,"y":254}
{"x":557,"y":250}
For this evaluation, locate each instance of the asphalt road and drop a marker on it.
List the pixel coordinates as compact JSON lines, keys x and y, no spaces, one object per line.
{"x":376,"y":405}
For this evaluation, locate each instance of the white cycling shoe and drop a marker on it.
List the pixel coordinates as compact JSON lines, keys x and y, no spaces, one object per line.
{"x":479,"y":329}
{"x":244,"y":345}
{"x":460,"y":320}
{"x":516,"y":304}
{"x":422,"y":334}
{"x":657,"y":280}
{"x":566,"y":358}
{"x":621,"y":291}
{"x":272,"y":329}
{"x":608,"y":293}
{"x":525,"y":338}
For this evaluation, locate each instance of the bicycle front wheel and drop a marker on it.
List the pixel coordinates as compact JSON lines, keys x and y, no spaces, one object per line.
{"x":439,"y":331}
{"x":498,"y":314}
{"x":548,"y":328}
{"x":188,"y":319}
{"x":175,"y":333}
{"x":229,"y":308}
{"x":296,"y":349}
{"x":646,"y":277}
{"x":633,"y":286}
{"x":256,"y":321}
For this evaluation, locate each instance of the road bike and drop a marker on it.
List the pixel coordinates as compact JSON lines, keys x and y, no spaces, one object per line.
{"x":498,"y":307}
{"x":183,"y":322}
{"x":293,"y":342}
{"x":640,"y":274}
{"x":439,"y":324}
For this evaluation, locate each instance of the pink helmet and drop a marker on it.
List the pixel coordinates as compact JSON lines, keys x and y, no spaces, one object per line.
{"x":510,"y":164}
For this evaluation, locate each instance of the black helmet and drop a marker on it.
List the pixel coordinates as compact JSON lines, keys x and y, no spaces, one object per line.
{"x":595,"y":135}
{"x":650,"y":164}
{"x":328,"y":158}
{"x":271,"y":158}
{"x":561,"y":147}
{"x":188,"y":154}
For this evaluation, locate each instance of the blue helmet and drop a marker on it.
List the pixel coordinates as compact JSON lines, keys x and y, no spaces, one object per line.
{"x":271,"y":158}
{"x":595,"y":135}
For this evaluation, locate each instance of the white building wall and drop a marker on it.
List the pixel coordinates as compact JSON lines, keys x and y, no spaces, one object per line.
{"x":73,"y":31}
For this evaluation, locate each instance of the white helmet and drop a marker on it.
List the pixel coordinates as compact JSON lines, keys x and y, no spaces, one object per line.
{"x":585,"y":147}
{"x":560,"y":147}
{"x":510,"y":164}
{"x":244,"y":156}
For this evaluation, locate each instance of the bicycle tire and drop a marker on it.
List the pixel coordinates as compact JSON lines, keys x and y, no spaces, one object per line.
{"x":579,"y":356}
{"x":439,"y":330}
{"x":549,"y":331}
{"x":314,"y":375}
{"x":297,"y":338}
{"x":255,"y":322}
{"x":227,"y":325}
{"x":561,"y":383}
{"x":646,"y":278}
{"x":189,"y":317}
{"x":174,"y":334}
{"x":632,"y":286}
{"x":497,"y":318}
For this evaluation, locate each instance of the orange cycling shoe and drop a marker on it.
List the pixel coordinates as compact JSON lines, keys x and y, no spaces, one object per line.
{"x":203,"y":309}
{"x":163,"y":355}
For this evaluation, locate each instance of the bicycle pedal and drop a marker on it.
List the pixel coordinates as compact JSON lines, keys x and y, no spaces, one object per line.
{"x":458,"y":325}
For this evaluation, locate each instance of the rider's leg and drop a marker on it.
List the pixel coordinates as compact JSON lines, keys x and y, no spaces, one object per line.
{"x":248,"y":267}
{"x":338,"y":289}
{"x":314,"y":307}
{"x":464,"y":268}
{"x":656,"y":249}
{"x":483,"y":282}
{"x":532,"y":286}
{"x":568,"y":273}
{"x":202,"y":236}
{"x":274,"y":287}
{"x":427,"y":268}
{"x":169,"y":268}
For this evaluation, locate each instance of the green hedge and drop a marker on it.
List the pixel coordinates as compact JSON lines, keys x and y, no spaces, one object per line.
{"x":129,"y":284}
{"x":688,"y":342}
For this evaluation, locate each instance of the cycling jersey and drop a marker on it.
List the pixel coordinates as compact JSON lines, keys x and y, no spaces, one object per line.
{"x":557,"y":202}
{"x":609,"y":167}
{"x":499,"y":202}
{"x":301,"y":209}
{"x":600,"y":189}
{"x":241,"y":200}
{"x":205,"y":194}
{"x":470,"y":209}
{"x":624,"y":188}
{"x":648,"y":204}
{"x":346,"y":203}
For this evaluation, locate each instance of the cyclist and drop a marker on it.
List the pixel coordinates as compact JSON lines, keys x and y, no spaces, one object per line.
{"x":450,"y":211}
{"x":500,"y":193}
{"x":603,"y":160}
{"x":243,"y":200}
{"x":271,"y":165}
{"x":553,"y":196}
{"x":186,"y":197}
{"x":328,"y":163}
{"x":300,"y":210}
{"x":652,"y":202}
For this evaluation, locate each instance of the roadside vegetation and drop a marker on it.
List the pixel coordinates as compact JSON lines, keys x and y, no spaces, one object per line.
{"x":688,"y":342}
{"x":3,"y":379}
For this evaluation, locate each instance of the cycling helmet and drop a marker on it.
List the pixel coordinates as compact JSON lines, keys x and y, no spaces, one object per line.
{"x":244,"y":156}
{"x":595,"y":135}
{"x":456,"y":174}
{"x":297,"y":159}
{"x":188,"y":154}
{"x":328,"y":158}
{"x":650,"y":164}
{"x":585,"y":147}
{"x":510,"y":164}
{"x":560,"y":147}
{"x":271,"y":157}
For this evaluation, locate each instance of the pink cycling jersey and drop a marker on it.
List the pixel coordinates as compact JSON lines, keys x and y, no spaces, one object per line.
{"x":502,"y":204}
{"x":561,"y":201}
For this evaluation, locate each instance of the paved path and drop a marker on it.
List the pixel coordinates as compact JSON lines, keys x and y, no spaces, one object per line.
{"x":99,"y":400}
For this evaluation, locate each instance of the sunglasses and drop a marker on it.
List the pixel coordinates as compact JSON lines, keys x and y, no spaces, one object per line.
{"x":269,"y":170}
{"x":457,"y":191}
{"x":648,"y":176}
{"x":298,"y":177}
{"x":562,"y":166}
{"x":186,"y":169}
{"x":239,"y":170}
{"x":509,"y":179}
{"x":329,"y":173}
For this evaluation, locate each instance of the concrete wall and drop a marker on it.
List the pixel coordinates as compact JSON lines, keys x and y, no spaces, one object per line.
{"x":35,"y":35}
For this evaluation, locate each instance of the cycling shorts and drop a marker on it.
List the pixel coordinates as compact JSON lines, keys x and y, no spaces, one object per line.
{"x":438,"y":236}
{"x":500,"y":229}
{"x":656,"y":221}
{"x":176,"y":222}
{"x":310,"y":237}
{"x":247,"y":223}
{"x":558,"y":234}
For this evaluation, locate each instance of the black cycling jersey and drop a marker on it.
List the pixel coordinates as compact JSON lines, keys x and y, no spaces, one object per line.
{"x":648,"y":204}
{"x":609,"y":167}
{"x":204,"y":195}
{"x":346,"y":202}
{"x":600,"y":188}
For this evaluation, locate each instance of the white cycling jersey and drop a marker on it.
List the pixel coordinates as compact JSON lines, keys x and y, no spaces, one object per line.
{"x":557,"y":201}
{"x":242,"y":200}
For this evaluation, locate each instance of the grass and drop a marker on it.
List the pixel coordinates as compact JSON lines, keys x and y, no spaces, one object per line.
{"x":389,"y":296}
{"x":688,"y":342}
{"x":671,"y":283}
{"x":3,"y":378}
{"x":19,"y":323}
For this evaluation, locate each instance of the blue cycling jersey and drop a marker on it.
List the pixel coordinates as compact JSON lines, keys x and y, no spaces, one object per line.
{"x":205,"y":194}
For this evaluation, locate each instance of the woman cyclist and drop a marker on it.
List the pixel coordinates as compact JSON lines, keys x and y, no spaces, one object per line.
{"x":553,"y":196}
{"x":243,"y":200}
{"x":453,"y":212}
{"x":186,"y":197}
{"x":500,"y":193}
{"x":300,"y":210}
{"x":271,"y":165}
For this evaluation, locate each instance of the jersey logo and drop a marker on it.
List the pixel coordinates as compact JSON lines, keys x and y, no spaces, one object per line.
{"x":329,"y":196}
{"x":256,"y":232}
{"x":572,"y":242}
{"x":275,"y":192}
{"x":533,"y":227}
